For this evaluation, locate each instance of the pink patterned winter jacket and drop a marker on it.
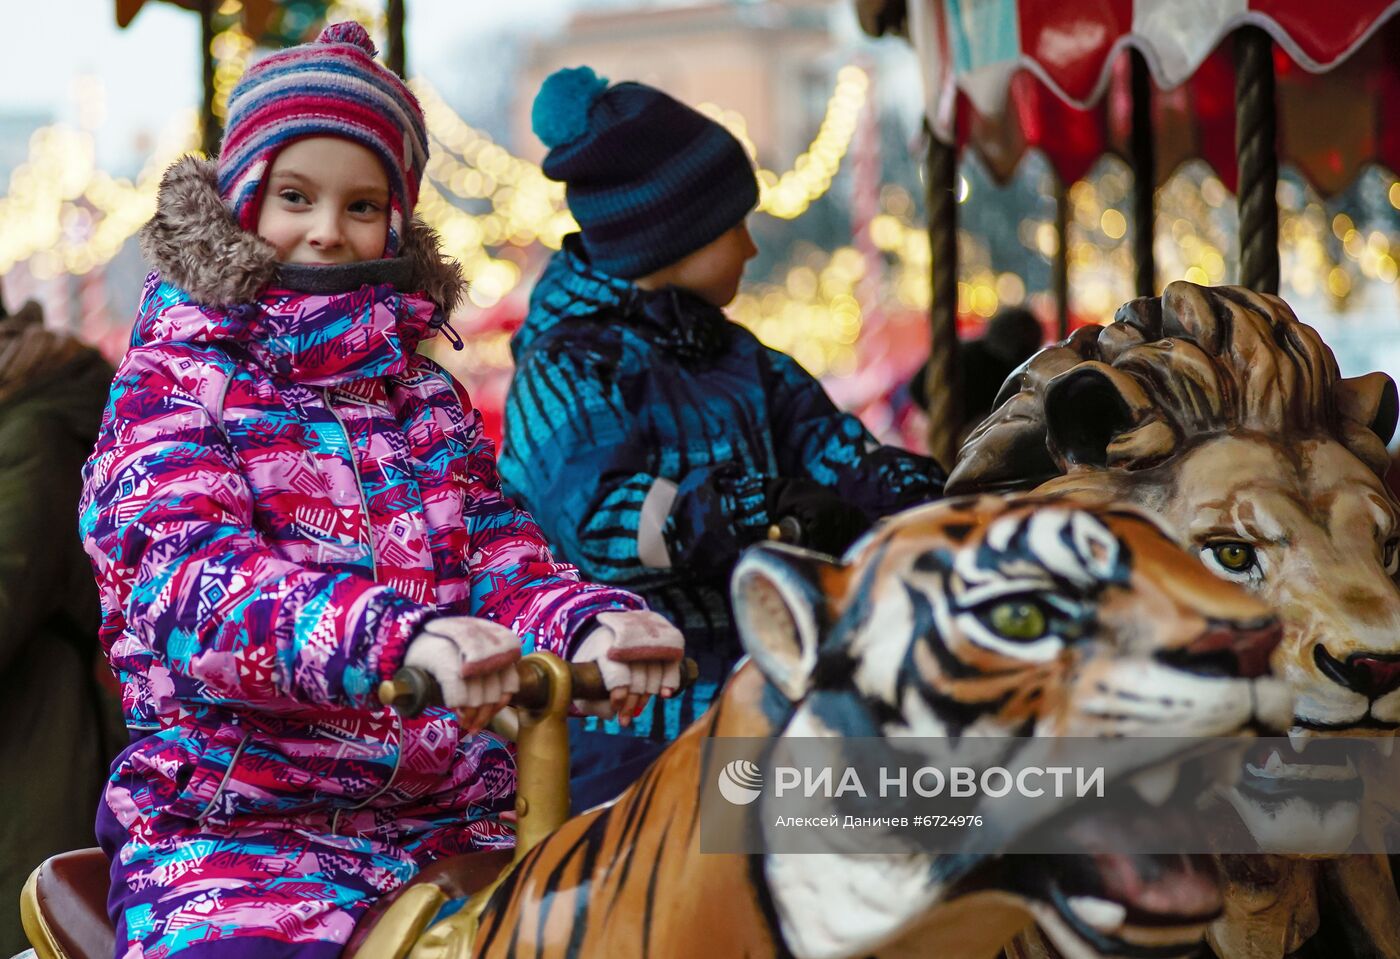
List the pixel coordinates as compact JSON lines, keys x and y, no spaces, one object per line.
{"x":282,"y":491}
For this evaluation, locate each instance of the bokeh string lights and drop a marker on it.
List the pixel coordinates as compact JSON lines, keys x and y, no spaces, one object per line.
{"x":61,"y":214}
{"x":71,"y":216}
{"x":788,"y":195}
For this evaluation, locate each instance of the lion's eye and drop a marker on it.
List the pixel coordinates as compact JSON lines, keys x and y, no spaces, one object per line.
{"x":1389,"y":555}
{"x":1017,"y":619}
{"x":1236,"y":561}
{"x":1234,"y":557}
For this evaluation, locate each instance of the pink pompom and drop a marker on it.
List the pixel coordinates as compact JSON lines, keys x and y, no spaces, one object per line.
{"x":348,"y":31}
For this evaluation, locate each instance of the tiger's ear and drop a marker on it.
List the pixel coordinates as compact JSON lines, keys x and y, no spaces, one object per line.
{"x":779,"y":609}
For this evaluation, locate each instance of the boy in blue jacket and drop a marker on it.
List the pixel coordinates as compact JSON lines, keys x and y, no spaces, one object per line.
{"x":651,"y":438}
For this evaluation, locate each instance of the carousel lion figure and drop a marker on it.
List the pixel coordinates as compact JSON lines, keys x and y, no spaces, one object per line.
{"x":1220,"y":413}
{"x":1025,"y":618}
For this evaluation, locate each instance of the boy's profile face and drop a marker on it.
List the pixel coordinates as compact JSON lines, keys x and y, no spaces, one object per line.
{"x":711,"y":272}
{"x":326,"y":202}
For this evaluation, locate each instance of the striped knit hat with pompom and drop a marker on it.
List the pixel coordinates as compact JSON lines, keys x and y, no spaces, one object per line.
{"x":648,"y":179}
{"x":331,"y":87}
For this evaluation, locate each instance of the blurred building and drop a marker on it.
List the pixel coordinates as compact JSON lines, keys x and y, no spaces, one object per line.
{"x":15,"y":130}
{"x":770,"y":61}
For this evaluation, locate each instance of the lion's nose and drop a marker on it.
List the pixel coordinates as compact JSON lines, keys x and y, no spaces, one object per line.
{"x":1370,"y":674}
{"x":1229,"y":649}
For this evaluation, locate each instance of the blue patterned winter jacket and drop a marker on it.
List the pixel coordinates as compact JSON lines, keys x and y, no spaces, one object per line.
{"x":641,"y":429}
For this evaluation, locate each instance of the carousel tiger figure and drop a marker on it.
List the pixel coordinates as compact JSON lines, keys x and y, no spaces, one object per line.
{"x":1227,"y":418}
{"x":991,"y":616}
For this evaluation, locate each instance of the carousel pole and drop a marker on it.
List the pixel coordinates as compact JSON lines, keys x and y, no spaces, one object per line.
{"x":943,"y":373}
{"x":209,"y":130}
{"x":398,"y":54}
{"x":1256,"y":153}
{"x":865,"y":206}
{"x":1144,"y":160}
{"x":1059,"y":267}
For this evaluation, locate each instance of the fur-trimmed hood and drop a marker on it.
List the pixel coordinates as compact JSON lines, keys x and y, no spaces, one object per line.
{"x":195,"y":244}
{"x":218,"y":285}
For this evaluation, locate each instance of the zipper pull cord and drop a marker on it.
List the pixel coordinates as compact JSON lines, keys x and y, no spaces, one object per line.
{"x":452,"y":336}
{"x":446,"y":329}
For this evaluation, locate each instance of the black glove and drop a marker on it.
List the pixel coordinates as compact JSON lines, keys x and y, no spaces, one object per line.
{"x":829,"y":523}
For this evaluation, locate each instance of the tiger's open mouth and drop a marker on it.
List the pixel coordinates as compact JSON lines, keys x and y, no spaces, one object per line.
{"x":1097,"y":899}
{"x":1138,"y":905}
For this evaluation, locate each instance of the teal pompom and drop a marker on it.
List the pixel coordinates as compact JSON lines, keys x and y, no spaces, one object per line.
{"x":560,"y":113}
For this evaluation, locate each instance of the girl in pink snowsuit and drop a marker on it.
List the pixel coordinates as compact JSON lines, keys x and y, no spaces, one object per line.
{"x":286,"y":505}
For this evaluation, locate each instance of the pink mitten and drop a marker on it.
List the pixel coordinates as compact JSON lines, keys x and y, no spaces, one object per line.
{"x":473,"y":660}
{"x":639,"y":654}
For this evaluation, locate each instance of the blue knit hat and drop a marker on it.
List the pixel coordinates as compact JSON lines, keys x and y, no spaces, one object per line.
{"x":648,"y":179}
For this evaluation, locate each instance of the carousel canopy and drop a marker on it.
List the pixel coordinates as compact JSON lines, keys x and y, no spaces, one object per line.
{"x":1006,"y":76}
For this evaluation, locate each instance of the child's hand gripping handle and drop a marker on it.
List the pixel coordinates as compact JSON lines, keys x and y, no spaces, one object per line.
{"x":414,"y":689}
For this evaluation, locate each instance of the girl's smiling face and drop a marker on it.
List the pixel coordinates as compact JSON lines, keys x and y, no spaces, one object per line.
{"x":326,"y":202}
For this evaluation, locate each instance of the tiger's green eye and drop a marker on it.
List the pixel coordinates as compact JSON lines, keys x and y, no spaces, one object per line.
{"x":1017,"y":620}
{"x":1236,"y":557}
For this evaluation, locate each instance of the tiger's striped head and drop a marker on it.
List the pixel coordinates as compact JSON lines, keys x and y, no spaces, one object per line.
{"x":1023,"y":616}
